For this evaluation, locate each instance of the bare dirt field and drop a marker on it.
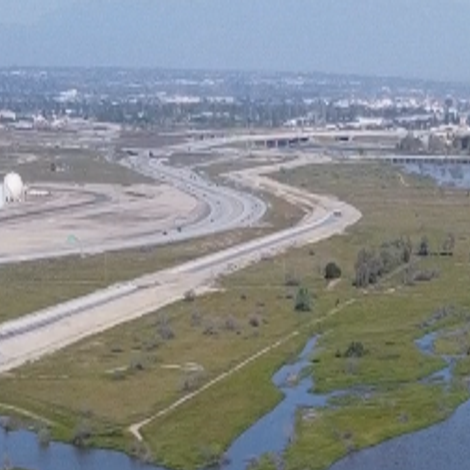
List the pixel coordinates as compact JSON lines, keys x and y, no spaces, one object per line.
{"x":84,"y":216}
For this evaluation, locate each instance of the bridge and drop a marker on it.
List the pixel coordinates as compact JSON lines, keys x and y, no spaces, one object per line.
{"x":425,"y":159}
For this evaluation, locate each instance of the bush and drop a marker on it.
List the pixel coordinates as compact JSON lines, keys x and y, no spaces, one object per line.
{"x":81,"y":435}
{"x":190,"y":296}
{"x":137,"y":365}
{"x":166,"y":332}
{"x":192,"y":381}
{"x":231,"y":323}
{"x":423,"y":247}
{"x":254,"y":321}
{"x":291,"y":280}
{"x":303,"y":300}
{"x":332,"y":271}
{"x":210,"y":328}
{"x":213,"y":456}
{"x":152,"y":344}
{"x":141,"y":452}
{"x":424,"y":276}
{"x":44,"y":436}
{"x":355,"y":349}
{"x":196,"y":318}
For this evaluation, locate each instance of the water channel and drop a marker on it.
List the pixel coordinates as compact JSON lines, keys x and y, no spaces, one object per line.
{"x":445,"y":445}
{"x":442,"y":446}
{"x":271,"y":434}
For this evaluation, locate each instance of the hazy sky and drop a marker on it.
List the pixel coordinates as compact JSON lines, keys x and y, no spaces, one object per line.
{"x":423,"y":38}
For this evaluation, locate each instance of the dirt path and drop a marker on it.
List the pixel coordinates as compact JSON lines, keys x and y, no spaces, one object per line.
{"x":26,"y":413}
{"x":402,"y":180}
{"x":135,"y":429}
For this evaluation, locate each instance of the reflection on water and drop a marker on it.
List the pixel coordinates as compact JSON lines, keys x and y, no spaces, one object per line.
{"x":23,"y":451}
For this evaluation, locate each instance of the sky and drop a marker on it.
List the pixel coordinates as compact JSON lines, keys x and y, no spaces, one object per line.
{"x":408,"y":38}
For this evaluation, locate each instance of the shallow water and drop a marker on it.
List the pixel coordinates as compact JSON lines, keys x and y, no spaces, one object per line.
{"x":444,"y":446}
{"x":270,"y":434}
{"x":23,"y":451}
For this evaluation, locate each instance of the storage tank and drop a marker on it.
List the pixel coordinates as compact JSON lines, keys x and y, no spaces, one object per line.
{"x":12,"y":187}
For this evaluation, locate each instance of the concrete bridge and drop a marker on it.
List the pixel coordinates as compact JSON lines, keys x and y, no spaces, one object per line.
{"x":430,"y":159}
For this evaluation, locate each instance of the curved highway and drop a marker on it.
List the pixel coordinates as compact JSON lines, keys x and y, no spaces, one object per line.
{"x":228,"y":208}
{"x":225,"y":209}
{"x":43,"y":332}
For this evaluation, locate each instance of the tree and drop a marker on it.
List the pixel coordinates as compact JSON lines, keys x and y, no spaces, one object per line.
{"x":332,"y":271}
{"x":407,"y":250}
{"x":448,"y":245}
{"x":303,"y":300}
{"x":423,"y":247}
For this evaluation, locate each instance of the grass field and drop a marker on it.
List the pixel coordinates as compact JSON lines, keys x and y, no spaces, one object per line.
{"x":120,"y":377}
{"x":30,"y":286}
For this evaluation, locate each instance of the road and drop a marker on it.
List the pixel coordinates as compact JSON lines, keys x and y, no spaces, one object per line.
{"x":33,"y":336}
{"x":224,"y":209}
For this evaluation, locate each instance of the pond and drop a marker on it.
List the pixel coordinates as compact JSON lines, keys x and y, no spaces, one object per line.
{"x":22,"y":450}
{"x":270,"y":434}
{"x":424,"y":450}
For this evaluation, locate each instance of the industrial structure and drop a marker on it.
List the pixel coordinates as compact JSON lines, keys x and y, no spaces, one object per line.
{"x":12,"y":189}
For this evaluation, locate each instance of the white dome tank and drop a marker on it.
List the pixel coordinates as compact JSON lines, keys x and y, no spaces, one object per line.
{"x":13,"y":187}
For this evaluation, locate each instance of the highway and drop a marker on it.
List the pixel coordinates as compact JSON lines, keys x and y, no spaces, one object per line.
{"x":225,"y":209}
{"x":33,"y":336}
{"x":228,"y":208}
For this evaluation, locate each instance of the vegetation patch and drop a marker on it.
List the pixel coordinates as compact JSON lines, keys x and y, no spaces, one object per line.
{"x":367,"y":339}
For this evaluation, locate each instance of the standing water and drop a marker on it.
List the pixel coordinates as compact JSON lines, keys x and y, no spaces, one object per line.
{"x":271,"y":434}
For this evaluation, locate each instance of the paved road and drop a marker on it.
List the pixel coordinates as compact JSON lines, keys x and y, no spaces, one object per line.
{"x":33,"y":336}
{"x":225,"y":209}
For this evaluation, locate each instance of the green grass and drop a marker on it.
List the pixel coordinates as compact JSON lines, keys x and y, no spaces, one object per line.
{"x":77,"y":384}
{"x":78,"y":166}
{"x":30,"y":286}
{"x":228,"y":409}
{"x":334,"y":432}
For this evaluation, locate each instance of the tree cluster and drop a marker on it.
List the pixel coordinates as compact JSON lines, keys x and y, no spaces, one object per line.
{"x":446,"y":249}
{"x":372,"y":264}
